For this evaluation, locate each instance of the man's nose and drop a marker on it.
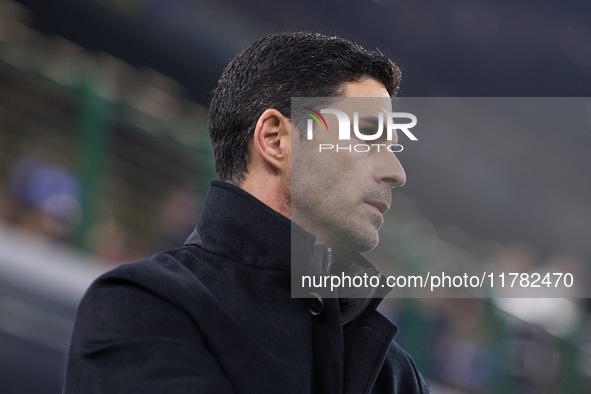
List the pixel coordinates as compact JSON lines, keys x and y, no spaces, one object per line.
{"x":390,"y":171}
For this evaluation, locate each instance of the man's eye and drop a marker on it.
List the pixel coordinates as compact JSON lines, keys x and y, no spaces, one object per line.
{"x":373,"y":132}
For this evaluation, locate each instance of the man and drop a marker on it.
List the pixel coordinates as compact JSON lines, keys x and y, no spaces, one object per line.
{"x":216,"y":315}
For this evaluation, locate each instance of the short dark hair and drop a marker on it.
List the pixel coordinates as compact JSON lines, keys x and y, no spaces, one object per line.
{"x":272,"y":71}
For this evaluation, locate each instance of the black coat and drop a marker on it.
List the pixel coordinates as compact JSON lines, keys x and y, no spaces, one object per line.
{"x":216,"y":316}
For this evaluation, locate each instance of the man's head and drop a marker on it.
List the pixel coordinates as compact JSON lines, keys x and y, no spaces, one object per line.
{"x":340,"y":194}
{"x":250,"y":126}
{"x":272,"y":71}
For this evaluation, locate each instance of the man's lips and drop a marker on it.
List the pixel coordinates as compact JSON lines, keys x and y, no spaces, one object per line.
{"x":381,"y":206}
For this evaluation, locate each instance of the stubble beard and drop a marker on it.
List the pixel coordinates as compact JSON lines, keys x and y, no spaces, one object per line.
{"x":316,"y":212}
{"x":355,"y":235}
{"x":340,"y":231}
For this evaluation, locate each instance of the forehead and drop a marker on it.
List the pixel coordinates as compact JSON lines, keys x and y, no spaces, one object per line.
{"x":366,"y":96}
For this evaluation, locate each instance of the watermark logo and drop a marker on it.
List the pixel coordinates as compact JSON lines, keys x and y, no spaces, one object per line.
{"x":315,"y":116}
{"x":387,"y":122}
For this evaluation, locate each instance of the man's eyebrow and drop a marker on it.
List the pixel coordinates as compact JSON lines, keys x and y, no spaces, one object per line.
{"x":370,"y":119}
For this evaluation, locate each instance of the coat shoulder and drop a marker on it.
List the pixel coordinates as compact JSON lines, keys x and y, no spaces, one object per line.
{"x":135,"y":332}
{"x":159,"y":271}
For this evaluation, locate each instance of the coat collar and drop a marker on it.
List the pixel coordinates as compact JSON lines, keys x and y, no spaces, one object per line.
{"x":236,"y":225}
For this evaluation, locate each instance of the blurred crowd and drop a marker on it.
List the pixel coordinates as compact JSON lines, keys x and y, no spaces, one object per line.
{"x":463,"y":345}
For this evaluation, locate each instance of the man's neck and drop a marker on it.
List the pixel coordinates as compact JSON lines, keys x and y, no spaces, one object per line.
{"x":269,"y":191}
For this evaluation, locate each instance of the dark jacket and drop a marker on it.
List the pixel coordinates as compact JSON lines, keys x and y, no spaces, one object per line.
{"x":216,"y":316}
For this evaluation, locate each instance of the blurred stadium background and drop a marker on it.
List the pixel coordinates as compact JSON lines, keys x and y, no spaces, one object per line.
{"x":105,"y":158}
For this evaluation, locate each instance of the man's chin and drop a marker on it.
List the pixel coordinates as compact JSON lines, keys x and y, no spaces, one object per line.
{"x":363,"y":242}
{"x":369,"y":246}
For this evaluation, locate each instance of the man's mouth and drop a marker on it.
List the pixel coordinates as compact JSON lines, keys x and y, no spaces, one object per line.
{"x":381,"y":206}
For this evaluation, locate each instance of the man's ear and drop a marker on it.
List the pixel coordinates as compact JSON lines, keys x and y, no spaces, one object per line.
{"x":272,"y":139}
